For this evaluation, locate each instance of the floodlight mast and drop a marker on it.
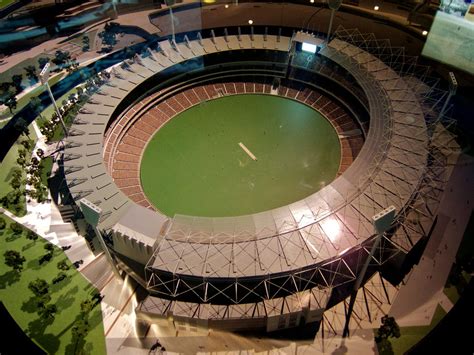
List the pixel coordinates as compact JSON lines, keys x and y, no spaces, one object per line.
{"x":334,"y":6}
{"x":453,"y":87}
{"x":170,"y":4}
{"x":44,"y":76}
{"x":382,"y":222}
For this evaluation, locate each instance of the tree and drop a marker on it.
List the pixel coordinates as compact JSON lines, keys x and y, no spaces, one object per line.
{"x":36,"y":106}
{"x":72,"y":98}
{"x":385,"y":347}
{"x":16,"y":81}
{"x":79,"y":332}
{"x":80,"y":328}
{"x":14,"y":260}
{"x":108,"y":36}
{"x":31,"y":235}
{"x":72,"y":65}
{"x":86,"y":307}
{"x":48,"y":312}
{"x":61,"y":276}
{"x":48,"y":247}
{"x":17,"y":173}
{"x":40,"y":152}
{"x":97,"y":297}
{"x":61,"y":58}
{"x":4,"y":86}
{"x":39,"y":287}
{"x":62,"y":265}
{"x":22,"y":153}
{"x":388,"y":329}
{"x":12,"y":198}
{"x":22,"y":126}
{"x":31,"y":74}
{"x":16,"y":183}
{"x":3,"y":224}
{"x":45,"y":258}
{"x":85,"y":43}
{"x":9,"y":100}
{"x":34,"y":164}
{"x":26,"y":144}
{"x":80,"y":93}
{"x":16,"y":228}
{"x":42,"y":62}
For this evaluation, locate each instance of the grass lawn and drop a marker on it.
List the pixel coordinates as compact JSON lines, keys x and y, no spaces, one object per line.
{"x":6,"y":169}
{"x":19,"y":68}
{"x":25,"y":99}
{"x":78,"y":39}
{"x":452,"y":291}
{"x":53,"y":337}
{"x":412,"y":335}
{"x":68,"y":118}
{"x":47,"y":164}
{"x":4,"y":3}
{"x":3,"y":123}
{"x":48,"y":111}
{"x":195,"y":166}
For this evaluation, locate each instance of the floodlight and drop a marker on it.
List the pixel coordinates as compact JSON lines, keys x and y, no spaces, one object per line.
{"x":44,"y":75}
{"x":384,"y":219}
{"x":308,"y":47}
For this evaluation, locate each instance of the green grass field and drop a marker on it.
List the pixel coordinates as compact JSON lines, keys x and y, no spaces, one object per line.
{"x":194,"y":165}
{"x":25,"y":99}
{"x":5,"y":3}
{"x":55,"y":337}
{"x":9,"y":164}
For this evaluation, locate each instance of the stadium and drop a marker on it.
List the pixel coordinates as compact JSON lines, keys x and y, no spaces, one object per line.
{"x":281,"y":266}
{"x":237,"y":176}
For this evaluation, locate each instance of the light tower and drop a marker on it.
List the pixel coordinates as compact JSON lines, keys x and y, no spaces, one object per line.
{"x":44,"y":76}
{"x":334,"y":6}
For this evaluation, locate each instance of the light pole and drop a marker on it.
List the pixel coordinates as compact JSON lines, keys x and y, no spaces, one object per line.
{"x":382,"y":221}
{"x":334,"y":6}
{"x":44,"y":76}
{"x":170,"y":4}
{"x":453,"y":87}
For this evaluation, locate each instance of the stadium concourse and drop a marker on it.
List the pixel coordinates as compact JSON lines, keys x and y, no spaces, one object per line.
{"x":289,"y":266}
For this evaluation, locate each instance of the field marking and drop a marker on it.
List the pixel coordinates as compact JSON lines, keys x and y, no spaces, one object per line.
{"x":246,"y":150}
